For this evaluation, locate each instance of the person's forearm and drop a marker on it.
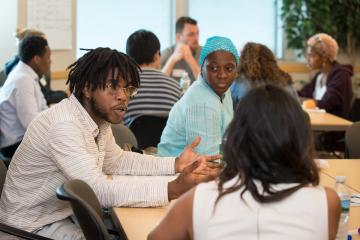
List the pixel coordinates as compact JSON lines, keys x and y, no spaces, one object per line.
{"x":130,"y":163}
{"x":175,"y":189}
{"x":169,"y":66}
{"x":194,"y":66}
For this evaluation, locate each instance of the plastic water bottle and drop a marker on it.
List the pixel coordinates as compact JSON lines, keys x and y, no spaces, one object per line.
{"x":185,"y":82}
{"x":345,"y":196}
{"x":221,"y":149}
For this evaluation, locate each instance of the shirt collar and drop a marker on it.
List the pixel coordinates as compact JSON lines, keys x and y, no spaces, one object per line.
{"x":85,"y":117}
{"x":26,"y":68}
{"x":149,"y":68}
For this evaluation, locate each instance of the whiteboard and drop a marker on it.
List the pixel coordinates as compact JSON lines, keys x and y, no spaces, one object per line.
{"x":53,"y":17}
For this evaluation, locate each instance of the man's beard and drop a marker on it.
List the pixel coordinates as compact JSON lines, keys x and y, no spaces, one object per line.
{"x":98,"y":111}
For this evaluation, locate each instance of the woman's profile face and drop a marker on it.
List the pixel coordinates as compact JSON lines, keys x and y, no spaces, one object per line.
{"x":314,"y":60}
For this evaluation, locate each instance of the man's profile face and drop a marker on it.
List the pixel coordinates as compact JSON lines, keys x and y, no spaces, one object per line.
{"x":44,"y":62}
{"x":110,"y":104}
{"x":189,"y":36}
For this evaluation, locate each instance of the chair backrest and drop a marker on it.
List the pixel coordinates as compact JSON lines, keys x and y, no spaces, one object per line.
{"x":3,"y":171}
{"x":352,"y":141}
{"x":86,"y":207}
{"x":123,"y":135}
{"x":2,"y":78}
{"x":148,"y":130}
{"x":355,"y":110}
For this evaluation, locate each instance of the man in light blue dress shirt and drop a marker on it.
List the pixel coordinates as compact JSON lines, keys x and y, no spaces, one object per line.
{"x":21,"y":98}
{"x":206,"y":108}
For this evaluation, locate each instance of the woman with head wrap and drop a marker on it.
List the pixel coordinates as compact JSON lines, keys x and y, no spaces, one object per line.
{"x":206,"y":108}
{"x":331,"y":87}
{"x":258,"y":67}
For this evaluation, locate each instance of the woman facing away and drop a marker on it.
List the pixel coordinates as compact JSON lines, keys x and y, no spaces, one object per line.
{"x":269,"y":188}
{"x":258,"y":66}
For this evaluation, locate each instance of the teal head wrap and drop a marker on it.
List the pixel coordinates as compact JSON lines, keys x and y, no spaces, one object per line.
{"x":217,"y":43}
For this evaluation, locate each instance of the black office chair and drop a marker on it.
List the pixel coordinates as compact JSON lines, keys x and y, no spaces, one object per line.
{"x":355,"y":110}
{"x":2,"y":78}
{"x":88,"y":211}
{"x":352,"y":141}
{"x":6,"y":230}
{"x":123,"y":135}
{"x":5,"y":159}
{"x":3,"y":171}
{"x":148,"y":130}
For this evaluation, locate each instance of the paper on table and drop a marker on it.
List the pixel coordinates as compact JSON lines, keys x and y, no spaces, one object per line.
{"x":322,"y":163}
{"x":315,"y":110}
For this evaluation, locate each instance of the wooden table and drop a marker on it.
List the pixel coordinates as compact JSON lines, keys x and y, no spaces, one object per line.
{"x":138,"y":222}
{"x":350,"y":169}
{"x":323,"y":121}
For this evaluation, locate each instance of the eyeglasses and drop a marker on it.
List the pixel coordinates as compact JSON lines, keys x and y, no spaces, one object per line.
{"x":129,"y":91}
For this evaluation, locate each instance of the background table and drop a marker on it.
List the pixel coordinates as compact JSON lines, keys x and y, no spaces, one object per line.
{"x":322,"y":121}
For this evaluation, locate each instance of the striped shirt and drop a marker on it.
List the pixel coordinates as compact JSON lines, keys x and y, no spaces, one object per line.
{"x":156,"y":96}
{"x":64,"y":143}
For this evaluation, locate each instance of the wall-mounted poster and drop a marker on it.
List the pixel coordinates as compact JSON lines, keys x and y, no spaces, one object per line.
{"x":53,"y":17}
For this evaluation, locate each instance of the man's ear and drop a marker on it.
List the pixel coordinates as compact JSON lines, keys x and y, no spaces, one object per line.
{"x":177,"y":37}
{"x":87,"y":92}
{"x":36,"y":59}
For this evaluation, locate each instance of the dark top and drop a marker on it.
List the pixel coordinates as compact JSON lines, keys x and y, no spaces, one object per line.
{"x":51,"y":96}
{"x":338,"y":96}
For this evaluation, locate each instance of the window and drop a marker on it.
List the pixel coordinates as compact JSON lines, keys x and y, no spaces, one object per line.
{"x":240,"y":20}
{"x":110,"y":22}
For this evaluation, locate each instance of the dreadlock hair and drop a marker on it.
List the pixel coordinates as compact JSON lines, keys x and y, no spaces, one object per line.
{"x":258,"y":65}
{"x":269,"y":144}
{"x":91,"y":71}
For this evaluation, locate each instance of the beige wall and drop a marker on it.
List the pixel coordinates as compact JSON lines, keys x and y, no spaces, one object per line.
{"x":61,"y":59}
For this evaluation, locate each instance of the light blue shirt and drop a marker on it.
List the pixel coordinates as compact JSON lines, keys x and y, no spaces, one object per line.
{"x":200,"y":112}
{"x":21,"y":100}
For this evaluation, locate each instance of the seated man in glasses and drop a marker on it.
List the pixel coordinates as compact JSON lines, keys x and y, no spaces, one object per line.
{"x":73,"y":140}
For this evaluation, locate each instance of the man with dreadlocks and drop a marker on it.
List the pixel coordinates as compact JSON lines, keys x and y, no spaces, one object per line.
{"x":73,"y":139}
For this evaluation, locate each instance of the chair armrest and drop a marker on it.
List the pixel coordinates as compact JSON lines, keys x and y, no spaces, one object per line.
{"x":21,"y":233}
{"x":117,"y":224}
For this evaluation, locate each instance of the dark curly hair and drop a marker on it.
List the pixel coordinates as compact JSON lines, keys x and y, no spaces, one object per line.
{"x":91,"y":70}
{"x":258,"y":65}
{"x":269,"y":144}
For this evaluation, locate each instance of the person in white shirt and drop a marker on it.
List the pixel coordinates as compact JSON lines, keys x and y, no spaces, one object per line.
{"x":73,"y":140}
{"x":269,"y":188}
{"x":21,"y":98}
